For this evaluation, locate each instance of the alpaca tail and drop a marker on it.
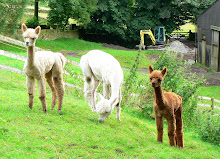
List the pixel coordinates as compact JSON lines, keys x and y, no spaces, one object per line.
{"x":62,"y":58}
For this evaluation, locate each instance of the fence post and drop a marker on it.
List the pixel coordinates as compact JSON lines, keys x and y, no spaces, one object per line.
{"x":213,"y":103}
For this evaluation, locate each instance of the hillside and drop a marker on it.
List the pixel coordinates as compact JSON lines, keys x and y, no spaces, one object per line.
{"x":76,"y":133}
{"x":28,"y":133}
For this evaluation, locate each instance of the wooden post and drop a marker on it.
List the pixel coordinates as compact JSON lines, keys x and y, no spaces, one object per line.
{"x":36,"y":9}
{"x":213,"y":103}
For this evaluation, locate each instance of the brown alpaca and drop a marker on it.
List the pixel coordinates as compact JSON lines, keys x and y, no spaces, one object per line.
{"x":43,"y":65}
{"x":169,"y":106}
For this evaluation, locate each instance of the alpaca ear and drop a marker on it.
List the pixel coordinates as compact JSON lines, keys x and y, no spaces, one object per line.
{"x":37,"y":30}
{"x":150,"y":69}
{"x":113,"y":101}
{"x":100,"y":96}
{"x":164,"y":72}
{"x":24,"y":27}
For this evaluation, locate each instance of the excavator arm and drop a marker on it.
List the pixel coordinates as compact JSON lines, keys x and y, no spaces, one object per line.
{"x":149,"y":32}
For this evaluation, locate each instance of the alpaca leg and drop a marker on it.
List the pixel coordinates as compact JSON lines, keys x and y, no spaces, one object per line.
{"x":88,"y":90}
{"x":179,"y":128}
{"x":58,"y":81}
{"x":118,"y":111}
{"x":106,"y":91}
{"x":171,"y":131}
{"x":57,"y":73}
{"x":30,"y":89}
{"x":95,"y":84}
{"x":118,"y":106}
{"x":42,"y":93}
{"x":159,"y":123}
{"x":52,"y":87}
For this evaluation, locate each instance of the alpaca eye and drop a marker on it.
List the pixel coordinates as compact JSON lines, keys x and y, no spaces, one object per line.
{"x":33,"y":38}
{"x":159,"y":80}
{"x":151,"y":79}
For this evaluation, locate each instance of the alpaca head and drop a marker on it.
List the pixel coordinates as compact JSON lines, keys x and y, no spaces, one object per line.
{"x":30,"y":35}
{"x":104,"y":107}
{"x":156,"y":77}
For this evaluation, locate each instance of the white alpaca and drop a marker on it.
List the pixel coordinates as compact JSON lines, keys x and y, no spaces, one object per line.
{"x":43,"y":65}
{"x":98,"y":66}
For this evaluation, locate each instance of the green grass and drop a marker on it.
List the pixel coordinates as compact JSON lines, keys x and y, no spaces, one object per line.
{"x":212,"y":92}
{"x":65,"y":44}
{"x":28,"y":133}
{"x":126,"y":58}
{"x":11,"y":62}
{"x":13,"y":49}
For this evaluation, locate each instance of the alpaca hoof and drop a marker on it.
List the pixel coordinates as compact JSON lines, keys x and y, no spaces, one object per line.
{"x":118,"y":119}
{"x":101,"y":121}
{"x":60,"y":112}
{"x":93,"y":110}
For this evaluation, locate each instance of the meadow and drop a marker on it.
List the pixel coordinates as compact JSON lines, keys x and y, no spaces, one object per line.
{"x":76,"y":133}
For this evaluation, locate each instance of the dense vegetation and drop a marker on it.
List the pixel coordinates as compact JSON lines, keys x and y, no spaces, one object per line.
{"x":10,"y":13}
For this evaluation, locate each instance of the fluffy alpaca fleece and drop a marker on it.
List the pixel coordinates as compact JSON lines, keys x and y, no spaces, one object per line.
{"x":43,"y":65}
{"x":169,"y":106}
{"x":98,"y":66}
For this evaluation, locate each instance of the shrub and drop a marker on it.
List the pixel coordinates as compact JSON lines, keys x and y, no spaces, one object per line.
{"x":32,"y":22}
{"x":137,"y":90}
{"x":208,"y":126}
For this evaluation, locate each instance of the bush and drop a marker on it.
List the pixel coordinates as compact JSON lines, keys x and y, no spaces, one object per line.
{"x":208,"y":126}
{"x":32,"y":22}
{"x":137,"y":91}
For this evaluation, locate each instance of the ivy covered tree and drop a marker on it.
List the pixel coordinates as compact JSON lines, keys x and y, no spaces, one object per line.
{"x":123,"y":19}
{"x":62,"y":10}
{"x":11,"y":12}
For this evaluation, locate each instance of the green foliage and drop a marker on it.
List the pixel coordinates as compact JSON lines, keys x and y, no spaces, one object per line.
{"x":208,"y":126}
{"x":122,"y":20}
{"x":131,"y":79}
{"x":62,"y":10}
{"x":32,"y":22}
{"x":136,"y":90}
{"x":11,"y":11}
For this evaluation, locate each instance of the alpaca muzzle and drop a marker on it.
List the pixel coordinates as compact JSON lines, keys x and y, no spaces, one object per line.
{"x":27,"y":43}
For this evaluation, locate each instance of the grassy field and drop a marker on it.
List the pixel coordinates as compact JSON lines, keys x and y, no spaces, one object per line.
{"x":28,"y":133}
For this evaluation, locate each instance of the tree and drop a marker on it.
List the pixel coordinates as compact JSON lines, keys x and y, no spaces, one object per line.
{"x":62,"y":10}
{"x":11,"y":11}
{"x":123,"y":19}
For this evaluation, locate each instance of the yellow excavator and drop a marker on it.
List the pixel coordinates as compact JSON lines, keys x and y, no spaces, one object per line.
{"x":157,"y":38}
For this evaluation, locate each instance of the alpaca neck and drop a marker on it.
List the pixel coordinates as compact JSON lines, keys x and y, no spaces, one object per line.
{"x":30,"y":56}
{"x":159,"y":97}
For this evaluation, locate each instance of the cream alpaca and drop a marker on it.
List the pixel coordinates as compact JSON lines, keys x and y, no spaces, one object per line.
{"x":43,"y":65}
{"x":99,"y":66}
